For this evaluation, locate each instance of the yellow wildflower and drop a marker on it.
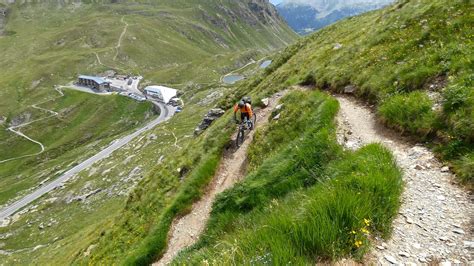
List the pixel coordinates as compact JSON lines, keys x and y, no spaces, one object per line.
{"x":364,"y":230}
{"x":358,"y":243}
{"x":367,"y":222}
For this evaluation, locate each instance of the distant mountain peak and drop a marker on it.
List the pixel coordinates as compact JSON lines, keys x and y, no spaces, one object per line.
{"x":305,"y":16}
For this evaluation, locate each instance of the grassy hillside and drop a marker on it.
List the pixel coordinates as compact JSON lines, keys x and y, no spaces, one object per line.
{"x":185,"y":44}
{"x":48,"y":42}
{"x":85,"y":125}
{"x":306,"y":200}
{"x":413,"y":60}
{"x":168,"y":42}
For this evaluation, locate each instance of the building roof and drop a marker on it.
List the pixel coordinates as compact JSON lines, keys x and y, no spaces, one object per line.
{"x":97,"y":80}
{"x":165,"y":92}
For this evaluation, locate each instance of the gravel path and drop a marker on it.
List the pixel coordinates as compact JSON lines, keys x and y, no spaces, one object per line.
{"x":186,"y":230}
{"x":435,"y":222}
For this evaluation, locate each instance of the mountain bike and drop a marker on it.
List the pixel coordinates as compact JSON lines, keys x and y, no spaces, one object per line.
{"x":246,"y":124}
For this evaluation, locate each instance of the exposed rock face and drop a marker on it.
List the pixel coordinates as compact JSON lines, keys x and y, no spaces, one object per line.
{"x":212,"y":97}
{"x":212,"y":115}
{"x":21,"y":119}
{"x":252,"y":12}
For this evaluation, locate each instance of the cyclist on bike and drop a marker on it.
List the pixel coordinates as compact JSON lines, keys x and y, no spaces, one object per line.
{"x":245,"y":108}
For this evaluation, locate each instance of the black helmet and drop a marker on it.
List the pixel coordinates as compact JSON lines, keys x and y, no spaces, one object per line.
{"x":247,"y":99}
{"x":241,"y":104}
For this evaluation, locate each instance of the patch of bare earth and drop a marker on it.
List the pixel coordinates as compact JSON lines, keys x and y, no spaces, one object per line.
{"x":186,"y":230}
{"x":435,"y":223}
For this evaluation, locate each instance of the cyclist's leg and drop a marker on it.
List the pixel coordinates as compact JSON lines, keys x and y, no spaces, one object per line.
{"x":247,"y":118}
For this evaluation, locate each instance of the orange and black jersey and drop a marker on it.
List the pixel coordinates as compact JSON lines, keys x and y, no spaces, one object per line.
{"x":246,"y":109}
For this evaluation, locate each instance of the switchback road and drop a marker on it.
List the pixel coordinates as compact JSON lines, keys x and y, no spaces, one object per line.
{"x":166,"y":112}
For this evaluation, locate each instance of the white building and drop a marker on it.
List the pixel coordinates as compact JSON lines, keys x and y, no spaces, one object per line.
{"x":161,"y":93}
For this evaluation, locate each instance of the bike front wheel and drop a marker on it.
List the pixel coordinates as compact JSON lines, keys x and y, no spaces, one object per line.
{"x":240,"y":138}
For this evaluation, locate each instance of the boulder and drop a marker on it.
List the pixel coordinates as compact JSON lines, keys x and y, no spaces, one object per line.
{"x":391,"y":259}
{"x":350,"y":89}
{"x":4,"y":223}
{"x":212,"y":115}
{"x":337,"y":46}
{"x":215,"y":113}
{"x":265,"y":102}
{"x":210,"y":98}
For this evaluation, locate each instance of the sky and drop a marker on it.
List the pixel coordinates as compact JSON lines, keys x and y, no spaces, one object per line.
{"x":275,"y":2}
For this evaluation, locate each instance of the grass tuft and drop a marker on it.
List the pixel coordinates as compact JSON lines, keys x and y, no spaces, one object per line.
{"x":410,"y":113}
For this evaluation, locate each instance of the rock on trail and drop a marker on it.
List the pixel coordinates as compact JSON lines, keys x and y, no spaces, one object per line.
{"x":435,"y":219}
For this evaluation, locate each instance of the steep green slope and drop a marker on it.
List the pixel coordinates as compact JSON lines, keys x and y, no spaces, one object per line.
{"x":305,"y":197}
{"x":413,"y":59}
{"x":49,"y":43}
{"x":304,"y":201}
{"x":185,"y":44}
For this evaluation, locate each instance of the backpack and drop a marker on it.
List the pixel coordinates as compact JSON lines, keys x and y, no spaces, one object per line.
{"x":247,"y":99}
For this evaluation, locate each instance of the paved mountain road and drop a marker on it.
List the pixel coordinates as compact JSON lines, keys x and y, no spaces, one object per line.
{"x":166,"y":112}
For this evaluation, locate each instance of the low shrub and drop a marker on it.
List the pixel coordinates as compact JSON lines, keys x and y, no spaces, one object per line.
{"x":410,"y":113}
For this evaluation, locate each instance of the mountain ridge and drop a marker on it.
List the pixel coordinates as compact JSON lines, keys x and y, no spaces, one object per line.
{"x":305,"y":16}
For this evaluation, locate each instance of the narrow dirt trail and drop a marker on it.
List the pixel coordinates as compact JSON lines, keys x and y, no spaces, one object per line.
{"x":119,"y":43}
{"x":186,"y":230}
{"x":434,"y":223}
{"x":15,"y":129}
